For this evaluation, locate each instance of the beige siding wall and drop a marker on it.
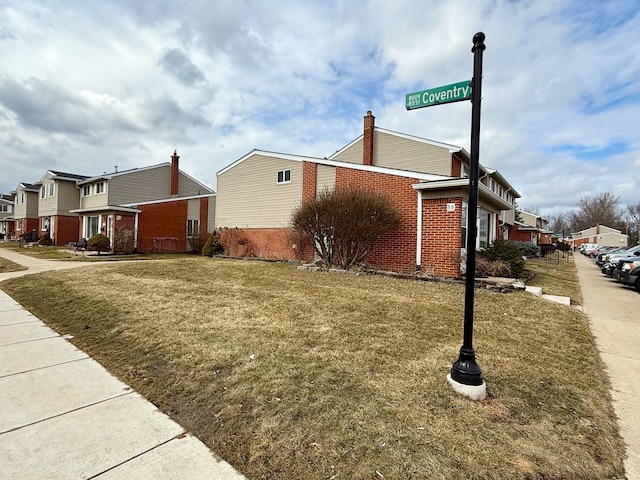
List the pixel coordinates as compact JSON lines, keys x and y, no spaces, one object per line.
{"x":66,"y":197}
{"x":325,"y":178}
{"x":148,"y":184}
{"x":353,"y":154}
{"x":211,"y":220}
{"x":28,"y":209}
{"x":187,"y":187}
{"x":248,"y":195}
{"x":48,"y":205}
{"x":405,"y":154}
{"x":508,"y":216}
{"x":95,"y":200}
{"x":193,"y":209}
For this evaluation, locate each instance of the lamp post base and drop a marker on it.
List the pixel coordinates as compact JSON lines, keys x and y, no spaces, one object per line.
{"x":474,"y":392}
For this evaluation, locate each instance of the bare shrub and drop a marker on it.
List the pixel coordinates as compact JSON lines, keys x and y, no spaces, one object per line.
{"x":123,"y":240}
{"x":492,"y":268}
{"x":343,"y":224}
{"x":235,"y":242}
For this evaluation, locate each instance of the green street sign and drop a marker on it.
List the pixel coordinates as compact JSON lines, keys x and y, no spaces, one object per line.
{"x":456,"y":92}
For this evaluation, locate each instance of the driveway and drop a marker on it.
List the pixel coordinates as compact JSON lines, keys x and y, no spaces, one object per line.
{"x":614,"y":317}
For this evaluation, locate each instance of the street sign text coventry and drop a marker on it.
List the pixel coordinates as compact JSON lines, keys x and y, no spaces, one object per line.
{"x":456,"y":92}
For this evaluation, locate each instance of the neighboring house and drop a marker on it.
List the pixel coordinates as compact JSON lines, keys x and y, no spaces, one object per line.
{"x":426,"y":180}
{"x":26,"y":208}
{"x":7,"y":221}
{"x":58,"y":196}
{"x":601,"y":235}
{"x":160,"y":204}
{"x":533,"y":228}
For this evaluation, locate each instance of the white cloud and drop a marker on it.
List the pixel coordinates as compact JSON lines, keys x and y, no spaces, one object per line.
{"x":91,"y":85}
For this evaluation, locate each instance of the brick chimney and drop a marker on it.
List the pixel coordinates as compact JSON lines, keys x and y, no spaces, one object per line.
{"x":367,"y":147}
{"x":174,"y":173}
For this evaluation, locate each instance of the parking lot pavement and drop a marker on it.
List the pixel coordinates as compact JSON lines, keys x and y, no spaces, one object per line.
{"x":615,"y":323}
{"x":64,"y":416}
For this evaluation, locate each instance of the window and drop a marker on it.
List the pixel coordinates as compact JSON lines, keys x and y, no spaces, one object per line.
{"x":86,"y":191}
{"x":22,"y":198}
{"x":484,"y":229}
{"x":91,"y":226}
{"x":99,"y":187}
{"x":45,"y":223}
{"x":51,"y":189}
{"x":465,"y":207}
{"x":5,"y":208}
{"x":43,"y":191}
{"x":193,"y":228}
{"x":465,"y":171}
{"x":284,"y":176}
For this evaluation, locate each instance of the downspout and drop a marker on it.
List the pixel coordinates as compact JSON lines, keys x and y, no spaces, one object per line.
{"x":419,"y":233}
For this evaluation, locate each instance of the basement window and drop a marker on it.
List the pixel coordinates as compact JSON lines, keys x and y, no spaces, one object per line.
{"x":284,"y":176}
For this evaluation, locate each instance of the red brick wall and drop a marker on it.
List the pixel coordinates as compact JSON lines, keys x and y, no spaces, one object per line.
{"x":441,"y":237}
{"x":270,"y":243}
{"x":456,"y":166}
{"x":162,"y":220}
{"x":309,"y":180}
{"x":65,"y":229}
{"x":518,"y":236}
{"x":28,"y":224}
{"x":395,"y":250}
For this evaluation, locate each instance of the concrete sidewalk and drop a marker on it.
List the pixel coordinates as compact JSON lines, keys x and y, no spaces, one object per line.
{"x":64,"y":416}
{"x":615,"y":323}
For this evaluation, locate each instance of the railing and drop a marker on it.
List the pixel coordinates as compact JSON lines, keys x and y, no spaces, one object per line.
{"x":556,"y":257}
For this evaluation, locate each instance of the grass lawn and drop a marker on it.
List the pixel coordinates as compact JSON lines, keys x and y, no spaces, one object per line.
{"x":9,"y":266}
{"x":556,"y":278}
{"x":291,"y":374}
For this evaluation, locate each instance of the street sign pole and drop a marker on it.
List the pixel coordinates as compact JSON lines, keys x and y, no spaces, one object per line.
{"x":465,"y":370}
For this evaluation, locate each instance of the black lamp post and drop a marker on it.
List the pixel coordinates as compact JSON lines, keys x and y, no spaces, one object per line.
{"x":465,"y":370}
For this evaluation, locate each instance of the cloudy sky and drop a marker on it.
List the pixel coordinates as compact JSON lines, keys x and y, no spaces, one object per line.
{"x":86,"y":86}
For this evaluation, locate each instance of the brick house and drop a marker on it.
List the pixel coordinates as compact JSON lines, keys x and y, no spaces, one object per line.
{"x":7,"y":221}
{"x":163,"y":206}
{"x":426,"y":180}
{"x":533,"y":228}
{"x":58,"y":196}
{"x":601,"y":235}
{"x":26,"y":208}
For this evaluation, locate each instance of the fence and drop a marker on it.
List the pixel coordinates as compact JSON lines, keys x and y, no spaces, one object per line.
{"x":556,"y":257}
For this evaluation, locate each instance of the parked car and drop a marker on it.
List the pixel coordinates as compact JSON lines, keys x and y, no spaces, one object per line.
{"x":613,"y":267}
{"x":630,"y":252}
{"x":622,"y":265}
{"x":600,"y":259}
{"x":585,"y":246}
{"x":631,"y":276}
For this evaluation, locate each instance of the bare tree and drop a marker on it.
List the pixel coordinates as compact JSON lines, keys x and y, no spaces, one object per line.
{"x":559,"y":222}
{"x":344,"y":223}
{"x":602,"y":209}
{"x":633,"y":222}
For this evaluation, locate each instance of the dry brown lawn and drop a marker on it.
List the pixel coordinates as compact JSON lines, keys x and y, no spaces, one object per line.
{"x":290,"y":374}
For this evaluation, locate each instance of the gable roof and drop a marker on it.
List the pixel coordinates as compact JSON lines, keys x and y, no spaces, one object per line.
{"x":6,"y":198}
{"x":70,"y":177}
{"x":29,"y":187}
{"x":334,"y":163}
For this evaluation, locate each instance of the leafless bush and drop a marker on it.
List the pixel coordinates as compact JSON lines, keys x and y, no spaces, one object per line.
{"x":343,"y":224}
{"x":123,"y":240}
{"x":235,"y":242}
